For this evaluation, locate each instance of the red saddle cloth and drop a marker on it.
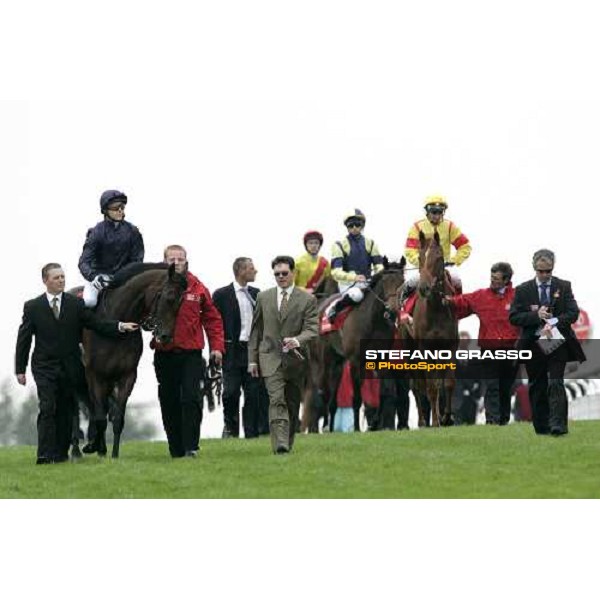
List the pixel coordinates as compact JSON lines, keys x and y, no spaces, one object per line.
{"x":369,"y":390}
{"x":409,"y":305}
{"x":325,"y":326}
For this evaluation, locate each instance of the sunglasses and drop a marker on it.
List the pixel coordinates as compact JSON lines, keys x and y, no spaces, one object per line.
{"x":281,"y":273}
{"x":354,"y":224}
{"x":435,"y":211}
{"x":543,"y":270}
{"x":118,"y":208}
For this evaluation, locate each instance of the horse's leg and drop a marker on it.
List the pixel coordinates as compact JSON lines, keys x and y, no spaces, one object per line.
{"x":356,"y":396}
{"x":98,"y":394}
{"x":449,"y":385}
{"x":433,"y":393}
{"x":319,"y":389}
{"x":124,"y":389}
{"x":415,"y":386}
{"x":75,"y":451}
{"x":336,"y":369}
{"x":310,"y":402}
{"x":316,"y":409}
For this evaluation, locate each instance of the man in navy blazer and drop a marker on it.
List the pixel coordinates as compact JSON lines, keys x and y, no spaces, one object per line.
{"x":539,"y":305}
{"x":236,"y":303}
{"x":56,"y":319}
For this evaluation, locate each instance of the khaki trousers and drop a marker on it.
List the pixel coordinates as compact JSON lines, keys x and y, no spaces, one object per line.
{"x":285,"y":388}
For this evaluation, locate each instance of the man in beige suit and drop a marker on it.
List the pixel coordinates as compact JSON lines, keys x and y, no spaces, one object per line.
{"x":285,"y":319}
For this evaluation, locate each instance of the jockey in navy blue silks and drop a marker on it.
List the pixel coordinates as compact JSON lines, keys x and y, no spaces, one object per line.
{"x":109,"y":246}
{"x":353,"y":260}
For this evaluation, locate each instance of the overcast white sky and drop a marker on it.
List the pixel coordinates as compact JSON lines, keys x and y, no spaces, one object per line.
{"x":234,"y":127}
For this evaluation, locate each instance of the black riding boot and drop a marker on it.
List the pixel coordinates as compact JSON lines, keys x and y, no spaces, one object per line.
{"x":342,"y":303}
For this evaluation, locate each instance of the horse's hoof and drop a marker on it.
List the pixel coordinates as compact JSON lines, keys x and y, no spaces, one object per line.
{"x":447,"y":421}
{"x":76,"y":453}
{"x":89,"y":448}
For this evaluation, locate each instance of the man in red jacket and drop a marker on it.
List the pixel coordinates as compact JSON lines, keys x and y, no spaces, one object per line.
{"x":179,"y":366}
{"x":492,"y":305}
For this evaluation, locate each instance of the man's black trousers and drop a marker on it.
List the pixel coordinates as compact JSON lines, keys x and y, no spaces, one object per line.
{"x":179,"y":374}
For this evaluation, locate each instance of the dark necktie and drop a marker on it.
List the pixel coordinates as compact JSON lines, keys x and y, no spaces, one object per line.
{"x":544,"y":297}
{"x":284,"y":303}
{"x":55,"y":307}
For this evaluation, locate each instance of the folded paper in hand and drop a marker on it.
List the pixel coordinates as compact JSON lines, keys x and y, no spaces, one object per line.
{"x":550,"y":341}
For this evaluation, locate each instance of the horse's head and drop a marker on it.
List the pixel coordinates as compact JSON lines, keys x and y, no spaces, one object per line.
{"x":167,"y":300}
{"x":431,"y":264}
{"x":387,"y":284}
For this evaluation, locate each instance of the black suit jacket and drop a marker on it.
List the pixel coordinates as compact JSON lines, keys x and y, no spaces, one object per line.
{"x":523,"y":313}
{"x":226,"y":302}
{"x":56,"y":340}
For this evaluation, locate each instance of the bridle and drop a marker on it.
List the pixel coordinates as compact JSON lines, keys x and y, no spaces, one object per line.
{"x":388,"y":313}
{"x":152,"y":322}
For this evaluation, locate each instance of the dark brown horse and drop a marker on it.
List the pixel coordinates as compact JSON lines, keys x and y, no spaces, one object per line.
{"x":373,"y":318}
{"x":145,"y":293}
{"x":323,"y":369}
{"x":434,"y":326}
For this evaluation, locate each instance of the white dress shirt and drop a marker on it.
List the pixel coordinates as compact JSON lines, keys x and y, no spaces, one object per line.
{"x":246,"y":310}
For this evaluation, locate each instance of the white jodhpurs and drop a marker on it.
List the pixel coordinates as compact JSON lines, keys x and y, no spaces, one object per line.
{"x":354,"y":290}
{"x":90,"y":295}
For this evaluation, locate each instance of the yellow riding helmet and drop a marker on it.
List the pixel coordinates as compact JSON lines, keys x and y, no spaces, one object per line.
{"x":356,"y":214}
{"x":436,"y":200}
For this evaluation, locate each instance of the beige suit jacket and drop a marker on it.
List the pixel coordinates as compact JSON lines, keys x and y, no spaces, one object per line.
{"x":268,"y":330}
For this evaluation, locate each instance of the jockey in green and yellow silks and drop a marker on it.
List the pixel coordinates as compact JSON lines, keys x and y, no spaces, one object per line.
{"x":311,"y":269}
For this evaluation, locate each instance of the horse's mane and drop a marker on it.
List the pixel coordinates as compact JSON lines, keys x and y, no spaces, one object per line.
{"x":122,"y":276}
{"x":388,"y":268}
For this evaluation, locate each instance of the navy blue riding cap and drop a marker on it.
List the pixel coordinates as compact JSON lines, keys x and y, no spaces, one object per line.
{"x":110,"y":196}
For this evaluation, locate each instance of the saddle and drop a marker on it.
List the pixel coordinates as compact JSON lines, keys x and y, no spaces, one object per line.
{"x":325,"y":326}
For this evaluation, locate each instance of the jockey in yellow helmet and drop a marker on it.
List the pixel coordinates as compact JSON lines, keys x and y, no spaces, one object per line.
{"x":450,"y":235}
{"x":353,"y":260}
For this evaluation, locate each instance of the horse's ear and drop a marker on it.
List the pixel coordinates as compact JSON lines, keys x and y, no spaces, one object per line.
{"x":403,"y":262}
{"x":386,"y":262}
{"x":171,"y":271}
{"x":422,"y":238}
{"x":436,"y":237}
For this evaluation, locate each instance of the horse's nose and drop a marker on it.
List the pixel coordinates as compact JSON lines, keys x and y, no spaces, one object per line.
{"x":164,"y":338}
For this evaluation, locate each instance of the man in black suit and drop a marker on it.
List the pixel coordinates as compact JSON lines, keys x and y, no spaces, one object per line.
{"x":56,"y":319}
{"x":236,"y":303}
{"x":540,"y":305}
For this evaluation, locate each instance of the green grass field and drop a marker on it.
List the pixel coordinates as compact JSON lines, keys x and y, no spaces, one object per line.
{"x":459,"y":462}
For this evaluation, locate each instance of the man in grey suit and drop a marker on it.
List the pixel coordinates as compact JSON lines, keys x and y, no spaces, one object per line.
{"x":284,"y":321}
